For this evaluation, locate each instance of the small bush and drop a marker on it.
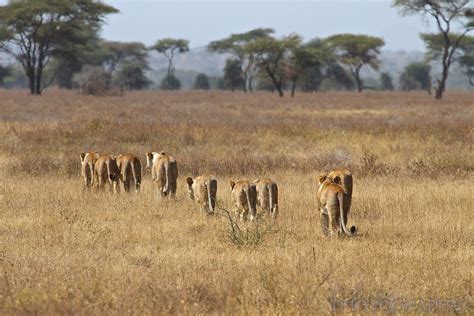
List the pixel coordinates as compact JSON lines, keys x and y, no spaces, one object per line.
{"x":170,"y":82}
{"x":201,"y":82}
{"x":251,"y":236}
{"x":93,"y":81}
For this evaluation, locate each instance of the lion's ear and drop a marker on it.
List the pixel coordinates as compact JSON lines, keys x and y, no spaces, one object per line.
{"x":232,"y":184}
{"x":190,"y":181}
{"x":322,"y":178}
{"x":83,"y":155}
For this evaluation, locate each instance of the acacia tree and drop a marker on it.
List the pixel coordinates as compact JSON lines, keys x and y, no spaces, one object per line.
{"x":117,"y":53}
{"x":442,"y":45}
{"x":33,"y":31}
{"x":4,"y":72}
{"x":314,"y":54}
{"x":416,"y":76}
{"x":355,"y":51}
{"x":235,"y":45}
{"x":467,"y":62}
{"x":386,"y":81}
{"x":272,"y":54}
{"x":169,"y":47}
{"x":201,"y":82}
{"x":233,"y":74}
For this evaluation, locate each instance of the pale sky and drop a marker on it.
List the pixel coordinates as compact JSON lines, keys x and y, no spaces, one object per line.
{"x":204,"y":21}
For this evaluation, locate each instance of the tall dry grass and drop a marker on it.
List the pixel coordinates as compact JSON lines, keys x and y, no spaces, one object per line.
{"x":63,"y":250}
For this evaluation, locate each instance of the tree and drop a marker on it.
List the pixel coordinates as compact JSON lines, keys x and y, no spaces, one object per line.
{"x":93,"y":80}
{"x":130,"y":76}
{"x":169,"y":47}
{"x":467,"y":62}
{"x":271,"y":56}
{"x":34,"y":31}
{"x":117,"y":53}
{"x":312,"y":55}
{"x":4,"y":72}
{"x":416,"y":76}
{"x":442,"y":45}
{"x":233,"y":77}
{"x":386,"y":81}
{"x":235,"y":45}
{"x":355,"y":51}
{"x":70,"y":61}
{"x":170,"y":83}
{"x":201,"y":82}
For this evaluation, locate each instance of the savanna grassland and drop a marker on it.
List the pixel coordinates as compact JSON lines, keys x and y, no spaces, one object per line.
{"x":64,"y":250}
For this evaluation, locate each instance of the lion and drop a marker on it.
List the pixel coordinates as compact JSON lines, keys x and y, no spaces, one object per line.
{"x":203,"y":190}
{"x":164,"y":171}
{"x":346,"y":182}
{"x":244,"y":198}
{"x":107,"y":171}
{"x":267,"y":195}
{"x":330,"y":198}
{"x":130,"y":170}
{"x":87,"y":167}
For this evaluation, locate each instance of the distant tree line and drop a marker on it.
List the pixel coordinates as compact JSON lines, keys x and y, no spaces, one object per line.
{"x":57,"y":42}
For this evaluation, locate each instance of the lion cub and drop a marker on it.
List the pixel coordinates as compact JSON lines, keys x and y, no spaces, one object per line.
{"x":87,"y":167}
{"x":267,"y":195}
{"x":130,"y":171}
{"x":107,"y":171}
{"x":244,"y":198}
{"x":330,"y":198}
{"x":164,"y":171}
{"x":203,"y":190}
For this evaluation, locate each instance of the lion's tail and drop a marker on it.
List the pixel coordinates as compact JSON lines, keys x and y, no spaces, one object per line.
{"x":341,"y":199}
{"x":137,"y":174}
{"x":273,"y":199}
{"x":211,"y":185}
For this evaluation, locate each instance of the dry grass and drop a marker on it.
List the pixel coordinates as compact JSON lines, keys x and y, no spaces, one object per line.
{"x":63,"y":250}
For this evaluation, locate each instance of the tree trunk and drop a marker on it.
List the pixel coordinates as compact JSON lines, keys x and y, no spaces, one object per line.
{"x":170,"y":65}
{"x":280,"y":91}
{"x":38,"y":78}
{"x":30,"y":73}
{"x":244,"y":83}
{"x":293,"y":88}
{"x":250,"y":88}
{"x":360,"y":84}
{"x":444,"y":75}
{"x":276,"y":83}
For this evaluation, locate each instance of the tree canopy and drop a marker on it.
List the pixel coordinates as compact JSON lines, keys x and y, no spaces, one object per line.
{"x":201,"y":82}
{"x":355,"y":51}
{"x":169,"y":47}
{"x":416,"y":76}
{"x":270,"y":55}
{"x":235,"y":45}
{"x":445,"y":43}
{"x":34,"y":31}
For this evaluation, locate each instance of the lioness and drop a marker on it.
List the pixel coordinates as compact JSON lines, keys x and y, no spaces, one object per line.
{"x":346,"y":182}
{"x":330,"y":198}
{"x":130,"y":170}
{"x":107,"y":171}
{"x":87,"y":167}
{"x":203,"y":190}
{"x":244,"y":197}
{"x":267,"y":195}
{"x":164,"y":171}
